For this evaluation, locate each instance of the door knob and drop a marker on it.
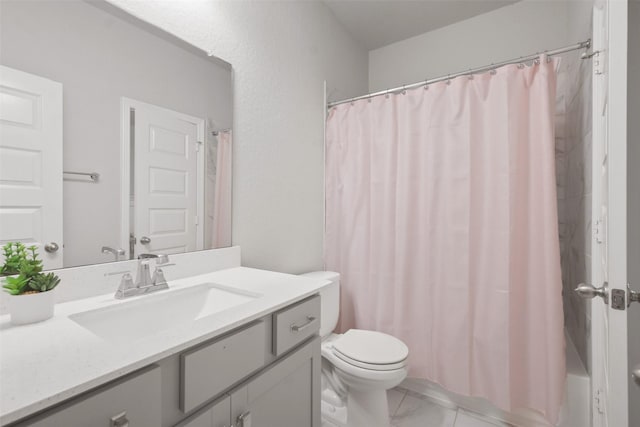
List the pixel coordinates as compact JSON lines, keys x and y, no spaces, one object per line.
{"x":145,"y":240}
{"x":635,"y":374}
{"x":51,"y":247}
{"x":634,"y":296}
{"x":588,"y":291}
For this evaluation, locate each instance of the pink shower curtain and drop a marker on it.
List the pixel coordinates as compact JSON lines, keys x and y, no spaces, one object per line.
{"x":441,"y":217}
{"x":222,"y":202}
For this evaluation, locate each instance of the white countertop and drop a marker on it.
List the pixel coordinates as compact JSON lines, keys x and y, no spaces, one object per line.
{"x":46,"y":363}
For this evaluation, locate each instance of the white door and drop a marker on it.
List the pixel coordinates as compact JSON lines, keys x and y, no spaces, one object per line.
{"x":168,"y":180}
{"x":31,"y":163}
{"x":633,"y":190}
{"x":610,"y":372}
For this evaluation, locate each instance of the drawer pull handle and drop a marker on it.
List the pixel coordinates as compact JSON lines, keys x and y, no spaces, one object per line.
{"x":300,"y":328}
{"x":120,"y":420}
{"x":244,"y":420}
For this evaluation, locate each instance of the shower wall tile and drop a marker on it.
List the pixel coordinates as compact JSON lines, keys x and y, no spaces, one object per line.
{"x":573,"y":172}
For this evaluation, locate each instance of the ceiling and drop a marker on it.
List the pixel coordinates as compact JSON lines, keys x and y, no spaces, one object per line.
{"x":377,"y":23}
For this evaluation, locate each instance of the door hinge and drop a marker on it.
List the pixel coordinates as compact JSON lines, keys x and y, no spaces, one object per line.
{"x":598,"y":231}
{"x":598,"y":64}
{"x":197,"y":220}
{"x":198,"y":145}
{"x":598,"y":401}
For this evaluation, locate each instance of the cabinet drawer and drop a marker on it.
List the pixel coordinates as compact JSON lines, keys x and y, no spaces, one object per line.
{"x":137,"y":397}
{"x":210,"y":369}
{"x":294,"y":324}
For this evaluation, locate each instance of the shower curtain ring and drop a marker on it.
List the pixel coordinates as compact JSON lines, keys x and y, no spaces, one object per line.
{"x":448,"y":79}
{"x":386,"y":95}
{"x":404,"y":90}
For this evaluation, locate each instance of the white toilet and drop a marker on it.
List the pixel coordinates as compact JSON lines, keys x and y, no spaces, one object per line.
{"x":358,"y":367}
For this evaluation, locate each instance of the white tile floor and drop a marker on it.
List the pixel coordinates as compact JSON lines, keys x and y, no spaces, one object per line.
{"x":409,"y":409}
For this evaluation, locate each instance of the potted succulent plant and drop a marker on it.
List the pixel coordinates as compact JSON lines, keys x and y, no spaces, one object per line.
{"x":32,"y":293}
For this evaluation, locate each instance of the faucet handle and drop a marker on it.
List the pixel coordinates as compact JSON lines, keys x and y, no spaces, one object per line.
{"x":126,"y":284}
{"x":158,"y":278}
{"x":162,"y":259}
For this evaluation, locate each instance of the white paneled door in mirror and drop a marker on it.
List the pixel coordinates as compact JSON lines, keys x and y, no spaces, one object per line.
{"x":167,"y":197}
{"x":31,"y":163}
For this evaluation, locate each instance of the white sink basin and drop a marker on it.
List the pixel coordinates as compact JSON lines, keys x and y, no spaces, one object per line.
{"x":150,"y":314}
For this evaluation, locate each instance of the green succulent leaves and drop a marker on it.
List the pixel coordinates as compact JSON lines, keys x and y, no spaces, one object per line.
{"x":23,"y":264}
{"x":15,"y":285}
{"x":44,"y":282}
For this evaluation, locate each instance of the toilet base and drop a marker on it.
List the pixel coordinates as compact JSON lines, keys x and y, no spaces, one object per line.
{"x":367,"y":409}
{"x":364,"y":409}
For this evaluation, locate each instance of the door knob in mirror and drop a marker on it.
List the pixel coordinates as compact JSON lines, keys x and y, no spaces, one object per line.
{"x":145,"y":240}
{"x":588,"y":291}
{"x":51,"y":247}
{"x":635,"y":374}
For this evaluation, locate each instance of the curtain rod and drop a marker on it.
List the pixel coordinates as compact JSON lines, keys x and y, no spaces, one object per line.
{"x":582,"y":45}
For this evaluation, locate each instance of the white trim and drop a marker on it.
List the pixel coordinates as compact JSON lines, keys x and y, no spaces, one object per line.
{"x":598,"y":309}
{"x":618,"y":402}
{"x":609,"y":258}
{"x":201,"y":159}
{"x":325,"y":112}
{"x":126,"y":104}
{"x":125,"y":178}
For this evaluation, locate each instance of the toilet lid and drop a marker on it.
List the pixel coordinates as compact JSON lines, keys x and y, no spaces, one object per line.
{"x":370,"y":347}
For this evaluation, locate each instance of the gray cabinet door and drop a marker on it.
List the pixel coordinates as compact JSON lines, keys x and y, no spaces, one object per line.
{"x":216,"y":415}
{"x":134,"y":398}
{"x":286,"y":394}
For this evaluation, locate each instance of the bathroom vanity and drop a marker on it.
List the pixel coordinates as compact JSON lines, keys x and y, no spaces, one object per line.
{"x":256,"y":362}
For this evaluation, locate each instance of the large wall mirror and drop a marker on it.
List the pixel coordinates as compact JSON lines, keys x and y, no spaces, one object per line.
{"x":115,"y":137}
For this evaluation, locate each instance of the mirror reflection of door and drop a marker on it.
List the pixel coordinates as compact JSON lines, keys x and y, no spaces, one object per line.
{"x":166,"y":179}
{"x":31,"y":163}
{"x":100,"y":55}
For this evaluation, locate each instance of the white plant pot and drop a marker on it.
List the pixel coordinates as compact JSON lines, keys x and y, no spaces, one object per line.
{"x":31,"y":308}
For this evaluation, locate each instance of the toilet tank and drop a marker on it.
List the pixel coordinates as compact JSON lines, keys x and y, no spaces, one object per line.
{"x":329,"y":300}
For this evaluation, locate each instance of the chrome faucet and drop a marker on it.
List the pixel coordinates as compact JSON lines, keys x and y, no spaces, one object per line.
{"x":145,"y":283}
{"x":143,"y":276}
{"x":117,"y":253}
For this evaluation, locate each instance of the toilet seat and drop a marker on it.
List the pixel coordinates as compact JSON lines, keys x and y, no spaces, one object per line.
{"x":371,"y":350}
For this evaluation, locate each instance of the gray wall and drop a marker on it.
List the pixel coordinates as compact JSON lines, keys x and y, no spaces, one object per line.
{"x":525,"y":27}
{"x":573,"y":171}
{"x":574,"y":178}
{"x":100,"y":58}
{"x":281,"y":51}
